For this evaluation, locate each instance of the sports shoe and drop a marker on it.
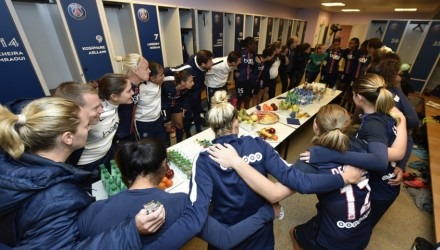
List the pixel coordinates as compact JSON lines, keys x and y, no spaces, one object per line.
{"x":421,"y":153}
{"x":418,"y":165}
{"x":416,"y":183}
{"x":407,"y":176}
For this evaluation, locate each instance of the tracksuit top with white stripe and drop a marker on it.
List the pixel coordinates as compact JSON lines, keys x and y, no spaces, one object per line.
{"x":229,"y":198}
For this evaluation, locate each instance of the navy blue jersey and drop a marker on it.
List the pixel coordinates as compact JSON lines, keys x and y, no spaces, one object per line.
{"x":362,"y":65}
{"x":170,"y":95}
{"x":126,"y":115}
{"x":333,"y":59}
{"x":246,"y":66}
{"x":351,"y":58}
{"x":265,"y":75}
{"x":260,"y":70}
{"x":300,"y":61}
{"x":282,"y":69}
{"x":378,"y":127}
{"x":230,"y":198}
{"x":343,"y":212}
{"x":103,"y":215}
{"x":412,"y":121}
{"x":198,"y":77}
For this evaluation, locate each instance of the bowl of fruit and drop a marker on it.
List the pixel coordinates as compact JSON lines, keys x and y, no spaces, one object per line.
{"x":266,"y":117}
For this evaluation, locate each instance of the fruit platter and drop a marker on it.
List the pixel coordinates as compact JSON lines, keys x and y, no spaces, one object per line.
{"x":266,"y":117}
{"x":267,"y":134}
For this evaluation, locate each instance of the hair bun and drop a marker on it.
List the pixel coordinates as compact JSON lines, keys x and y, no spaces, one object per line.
{"x":118,"y":58}
{"x":220,"y":97}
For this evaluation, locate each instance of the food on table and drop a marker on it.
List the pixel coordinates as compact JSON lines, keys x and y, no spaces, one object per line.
{"x":244,"y":117}
{"x":267,"y":134}
{"x":301,"y":115}
{"x":288,"y":106}
{"x":266,"y":117}
{"x":204,"y":143}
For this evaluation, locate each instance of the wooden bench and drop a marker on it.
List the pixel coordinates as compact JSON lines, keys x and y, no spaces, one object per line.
{"x":433,"y":131}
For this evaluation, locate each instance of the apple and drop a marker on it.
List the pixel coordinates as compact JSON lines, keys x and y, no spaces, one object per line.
{"x":271,"y":130}
{"x":169,"y":173}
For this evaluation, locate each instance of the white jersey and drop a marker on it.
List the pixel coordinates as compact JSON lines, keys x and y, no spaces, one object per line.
{"x":149,"y":106}
{"x":218,"y":75}
{"x":99,"y":140}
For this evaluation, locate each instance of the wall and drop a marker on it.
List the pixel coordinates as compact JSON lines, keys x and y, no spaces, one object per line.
{"x":233,"y":6}
{"x":315,"y":18}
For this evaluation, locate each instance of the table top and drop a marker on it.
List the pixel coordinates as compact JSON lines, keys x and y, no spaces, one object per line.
{"x":433,"y":130}
{"x":189,"y":148}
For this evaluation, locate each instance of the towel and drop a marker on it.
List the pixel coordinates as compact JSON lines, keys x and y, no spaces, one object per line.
{"x":293,"y":121}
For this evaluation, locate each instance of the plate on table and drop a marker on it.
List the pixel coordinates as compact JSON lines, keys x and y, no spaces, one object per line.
{"x":267,"y":117}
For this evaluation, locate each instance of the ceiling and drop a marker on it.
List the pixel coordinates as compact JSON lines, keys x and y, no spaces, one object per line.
{"x":431,"y":6}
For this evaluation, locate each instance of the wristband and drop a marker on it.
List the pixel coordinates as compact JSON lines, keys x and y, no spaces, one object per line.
{"x":281,"y":215}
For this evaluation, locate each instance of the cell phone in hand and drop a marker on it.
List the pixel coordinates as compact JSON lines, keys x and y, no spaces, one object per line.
{"x":152,"y":206}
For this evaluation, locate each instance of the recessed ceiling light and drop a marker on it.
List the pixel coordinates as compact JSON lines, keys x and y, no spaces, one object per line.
{"x":405,"y":9}
{"x":350,"y":10}
{"x":333,"y":4}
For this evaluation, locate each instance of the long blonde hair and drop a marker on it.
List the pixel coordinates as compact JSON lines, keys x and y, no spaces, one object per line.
{"x":333,"y":122}
{"x":222,"y":114}
{"x":39,"y":125}
{"x":373,"y":88}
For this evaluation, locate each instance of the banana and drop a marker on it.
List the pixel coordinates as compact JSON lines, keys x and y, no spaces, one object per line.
{"x":265,"y":133}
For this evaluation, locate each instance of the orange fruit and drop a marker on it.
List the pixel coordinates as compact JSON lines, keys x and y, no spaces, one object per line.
{"x":162,"y":186}
{"x":168,"y":183}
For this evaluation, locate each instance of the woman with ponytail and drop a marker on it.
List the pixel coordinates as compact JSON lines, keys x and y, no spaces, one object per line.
{"x":113,"y":90}
{"x":338,"y":208}
{"x":40,"y":195}
{"x":383,"y":127}
{"x":173,"y":89}
{"x":220,"y":190}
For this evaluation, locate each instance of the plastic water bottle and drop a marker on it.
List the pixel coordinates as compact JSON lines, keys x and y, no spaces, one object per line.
{"x":318,"y":98}
{"x":113,"y":190}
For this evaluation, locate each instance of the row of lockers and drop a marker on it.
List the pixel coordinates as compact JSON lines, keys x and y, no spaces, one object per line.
{"x":43,"y":44}
{"x":417,"y":42}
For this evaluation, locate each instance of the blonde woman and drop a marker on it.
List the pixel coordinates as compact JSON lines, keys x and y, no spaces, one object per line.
{"x":317,"y":57}
{"x":228,"y":198}
{"x":135,"y":67}
{"x":149,"y":120}
{"x":338,"y":208}
{"x":383,"y":127}
{"x":41,"y":196}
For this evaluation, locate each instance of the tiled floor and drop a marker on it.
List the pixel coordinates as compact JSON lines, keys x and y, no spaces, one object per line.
{"x":398,"y":229}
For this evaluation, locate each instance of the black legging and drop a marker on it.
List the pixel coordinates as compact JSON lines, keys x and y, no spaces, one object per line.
{"x":193,"y":109}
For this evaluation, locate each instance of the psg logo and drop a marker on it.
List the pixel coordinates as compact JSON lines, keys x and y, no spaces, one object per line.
{"x":76,"y":11}
{"x":143,"y":15}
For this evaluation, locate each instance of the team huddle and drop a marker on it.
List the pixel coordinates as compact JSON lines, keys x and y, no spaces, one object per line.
{"x":52,"y":147}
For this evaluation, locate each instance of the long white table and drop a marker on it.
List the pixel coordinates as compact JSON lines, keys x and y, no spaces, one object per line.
{"x":189,"y":148}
